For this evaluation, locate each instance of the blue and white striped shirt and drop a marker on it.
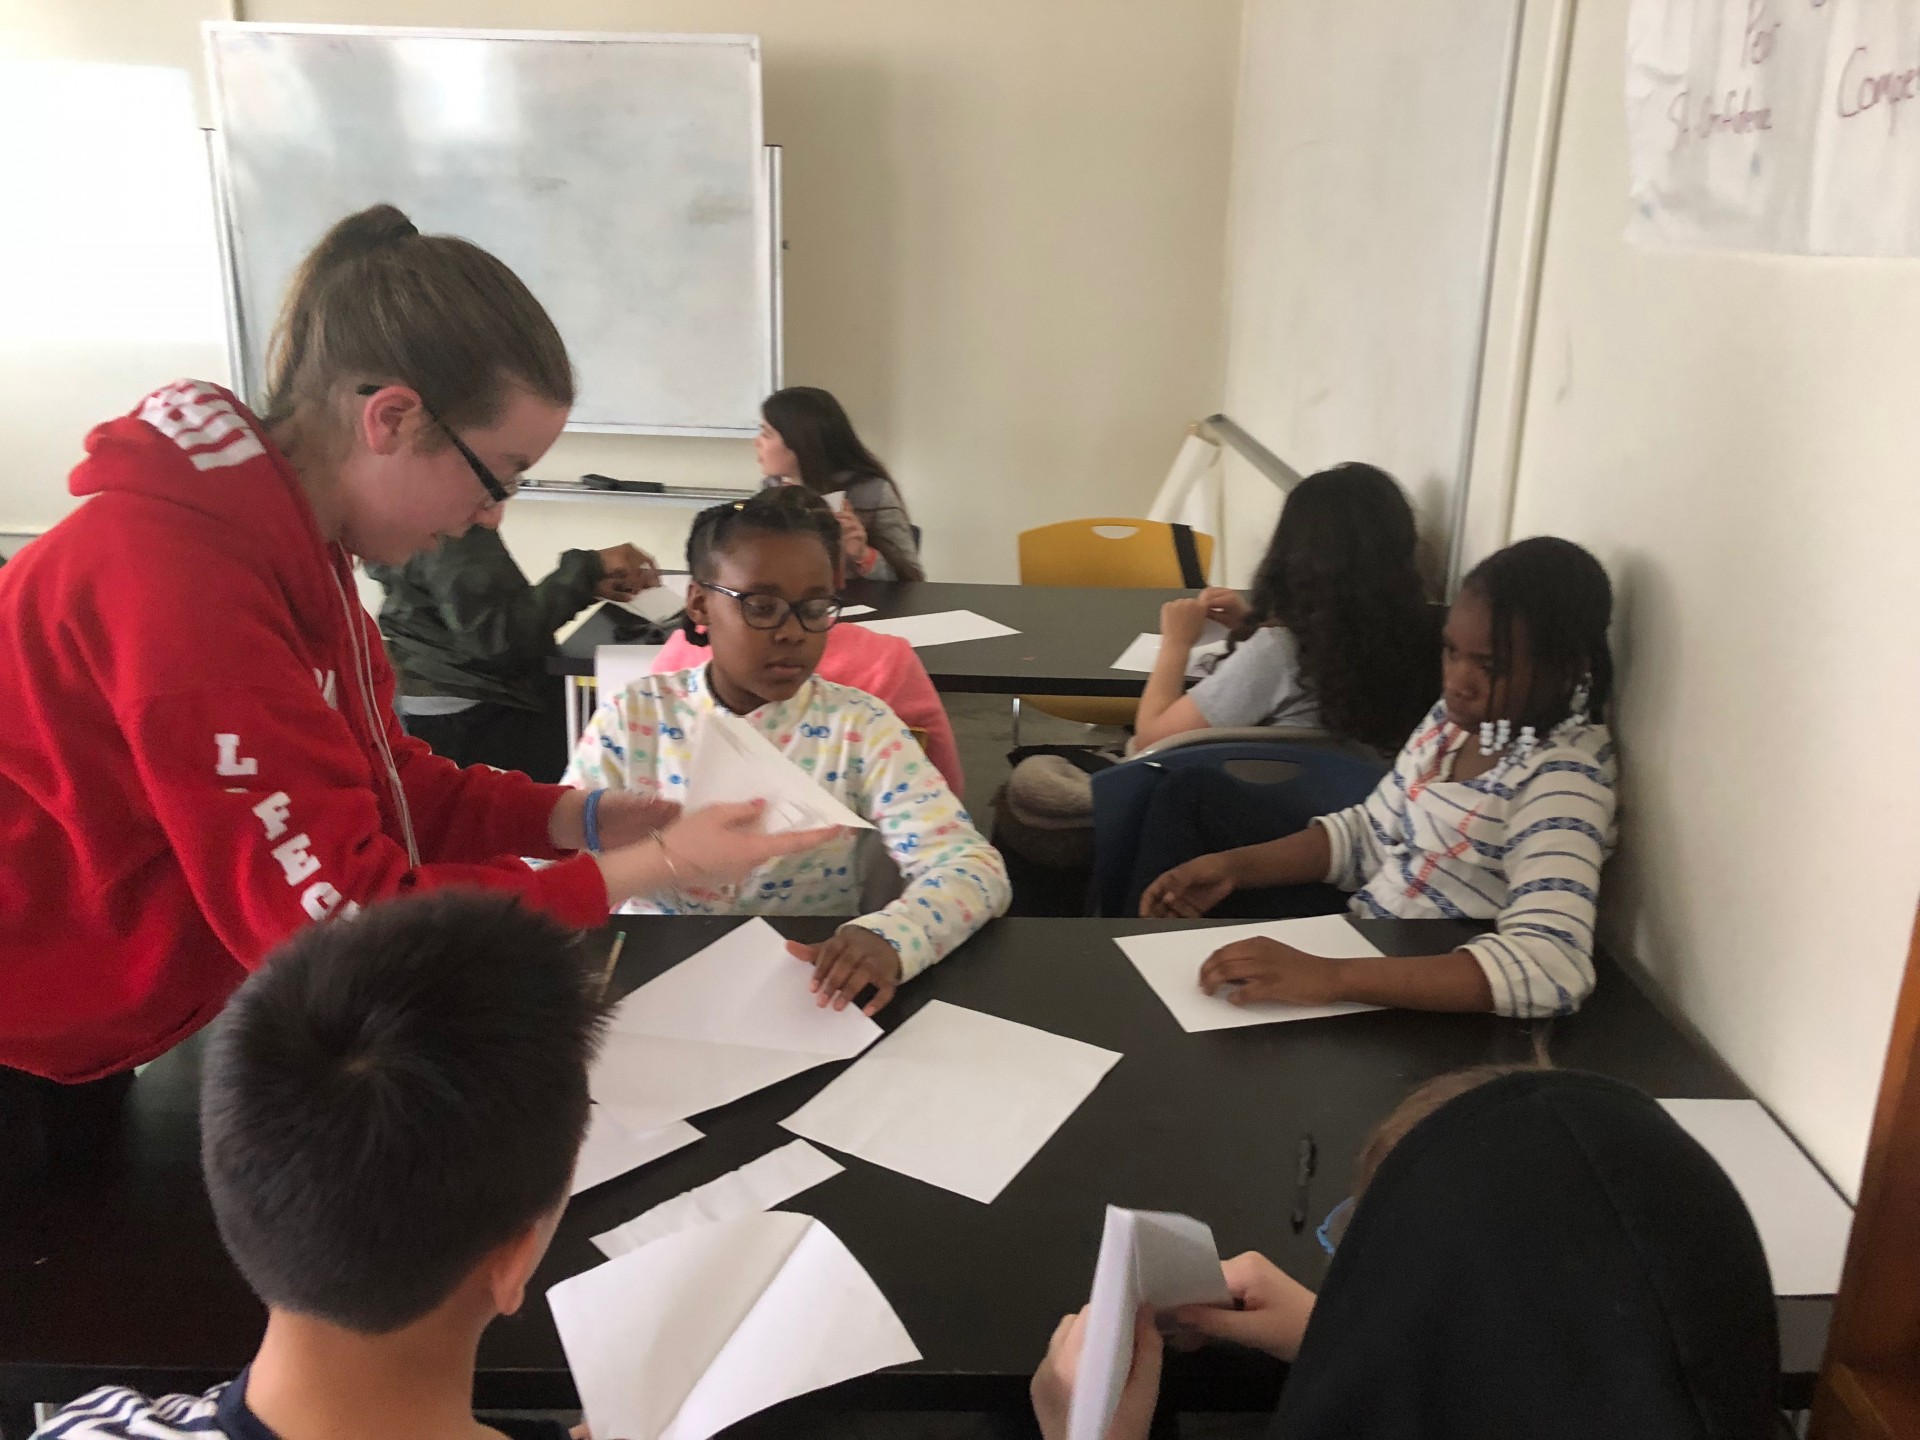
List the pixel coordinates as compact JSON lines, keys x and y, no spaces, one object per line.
{"x":1521,"y":845}
{"x":115,"y":1413}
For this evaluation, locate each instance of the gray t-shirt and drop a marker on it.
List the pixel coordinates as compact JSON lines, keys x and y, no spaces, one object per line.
{"x":1258,"y":684}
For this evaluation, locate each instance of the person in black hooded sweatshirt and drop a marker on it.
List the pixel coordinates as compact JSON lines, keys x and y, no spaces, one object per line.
{"x":1545,"y":1255}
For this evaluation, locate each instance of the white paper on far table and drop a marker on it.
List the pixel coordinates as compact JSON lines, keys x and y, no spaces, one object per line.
{"x":732,"y":761}
{"x":758,"y":1185}
{"x":1170,"y":962}
{"x":847,"y":612}
{"x":617,"y":666}
{"x":704,"y":1327}
{"x":730,"y":1020}
{"x":613,"y":1147}
{"x":956,"y":1098}
{"x":1147,"y":1257}
{"x":944,"y":628}
{"x":1144,"y":652}
{"x":1802,"y":1220}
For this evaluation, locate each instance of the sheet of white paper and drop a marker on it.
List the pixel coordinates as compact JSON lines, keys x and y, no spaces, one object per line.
{"x":659,"y":604}
{"x":679,"y":1339}
{"x":1170,"y":962}
{"x":677,"y":581}
{"x":1144,"y":652}
{"x":956,"y":1098}
{"x":758,"y":1185}
{"x":1147,"y":1257}
{"x":837,"y":502}
{"x":847,"y":612}
{"x":945,"y":628}
{"x":1802,"y":1220}
{"x":613,"y":1148}
{"x":723,"y":1023}
{"x":617,"y":666}
{"x":732,"y":761}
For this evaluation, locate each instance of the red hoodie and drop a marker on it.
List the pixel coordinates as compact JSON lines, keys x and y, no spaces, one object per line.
{"x":199,"y":753}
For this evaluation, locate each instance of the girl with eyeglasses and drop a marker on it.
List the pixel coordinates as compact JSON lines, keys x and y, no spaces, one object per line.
{"x":202,"y":753}
{"x":763,"y":599}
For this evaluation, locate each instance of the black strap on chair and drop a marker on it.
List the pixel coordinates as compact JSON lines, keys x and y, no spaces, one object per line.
{"x":1192,"y":574}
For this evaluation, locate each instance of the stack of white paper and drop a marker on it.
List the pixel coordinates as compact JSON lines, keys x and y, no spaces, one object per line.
{"x":613,"y":1147}
{"x":732,"y":761}
{"x":758,"y":1185}
{"x":1147,"y":1257}
{"x":956,"y":1098}
{"x":686,"y":1336}
{"x":1170,"y":962}
{"x":1802,"y":1220}
{"x":733,"y":1019}
{"x":947,"y":627}
{"x":1144,"y":652}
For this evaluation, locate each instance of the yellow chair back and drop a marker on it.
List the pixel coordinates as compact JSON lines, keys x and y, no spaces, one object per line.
{"x":1114,"y":552}
{"x":1108,"y":552}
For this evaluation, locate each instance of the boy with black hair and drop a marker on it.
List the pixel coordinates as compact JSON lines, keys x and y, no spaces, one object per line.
{"x":390,"y":1113}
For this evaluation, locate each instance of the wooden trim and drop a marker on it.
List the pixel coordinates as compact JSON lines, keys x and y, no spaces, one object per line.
{"x":1870,"y":1386}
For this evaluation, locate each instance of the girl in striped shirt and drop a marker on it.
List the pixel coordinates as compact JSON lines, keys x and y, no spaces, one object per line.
{"x":1500,"y":807}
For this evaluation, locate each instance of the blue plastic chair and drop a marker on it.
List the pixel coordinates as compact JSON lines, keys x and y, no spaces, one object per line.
{"x":1303,"y":779}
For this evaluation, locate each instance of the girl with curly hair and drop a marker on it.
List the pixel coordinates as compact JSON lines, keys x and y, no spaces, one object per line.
{"x":1336,"y":633}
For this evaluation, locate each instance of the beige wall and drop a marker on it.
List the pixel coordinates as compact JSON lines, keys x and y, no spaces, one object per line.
{"x":1735,"y":436}
{"x":1005,"y":220}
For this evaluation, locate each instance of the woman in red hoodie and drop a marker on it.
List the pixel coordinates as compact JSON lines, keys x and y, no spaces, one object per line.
{"x":201,"y":753}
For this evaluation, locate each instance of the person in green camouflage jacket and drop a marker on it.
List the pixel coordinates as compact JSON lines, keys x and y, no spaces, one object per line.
{"x":469,"y":638}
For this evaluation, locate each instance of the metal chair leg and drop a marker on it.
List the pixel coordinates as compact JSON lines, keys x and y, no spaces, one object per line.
{"x":1016,"y":722}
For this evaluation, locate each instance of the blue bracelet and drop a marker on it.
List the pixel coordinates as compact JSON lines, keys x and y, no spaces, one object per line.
{"x":590,"y":820}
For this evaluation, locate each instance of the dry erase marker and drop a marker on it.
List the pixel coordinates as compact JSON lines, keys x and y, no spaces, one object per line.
{"x":613,"y":959}
{"x":1307,"y":1161}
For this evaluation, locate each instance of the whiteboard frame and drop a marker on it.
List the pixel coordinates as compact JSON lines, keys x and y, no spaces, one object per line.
{"x":232,"y":249}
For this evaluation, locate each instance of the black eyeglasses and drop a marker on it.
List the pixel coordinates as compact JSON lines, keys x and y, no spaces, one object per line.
{"x":769,"y":612}
{"x":497,"y":492}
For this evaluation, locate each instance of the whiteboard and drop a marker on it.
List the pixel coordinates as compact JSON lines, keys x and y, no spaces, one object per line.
{"x":623,"y":177}
{"x":1368,"y":155}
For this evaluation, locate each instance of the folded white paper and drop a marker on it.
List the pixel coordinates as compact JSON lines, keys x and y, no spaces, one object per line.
{"x":1144,"y":653}
{"x":1802,"y":1220}
{"x":758,"y":1185}
{"x":956,"y":1098}
{"x":1147,"y":1257}
{"x":659,"y":604}
{"x":617,"y":666}
{"x":946,"y":627}
{"x":733,"y":1019}
{"x":702,"y":1328}
{"x":732,"y":761}
{"x":612,"y":1147}
{"x":1170,"y":962}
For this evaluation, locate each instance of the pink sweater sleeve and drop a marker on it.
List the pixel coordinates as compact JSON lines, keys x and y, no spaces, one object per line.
{"x":905,"y":685}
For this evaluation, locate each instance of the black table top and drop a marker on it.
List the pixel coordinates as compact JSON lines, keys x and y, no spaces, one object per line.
{"x":119,"y":1277}
{"x":1068,"y":640}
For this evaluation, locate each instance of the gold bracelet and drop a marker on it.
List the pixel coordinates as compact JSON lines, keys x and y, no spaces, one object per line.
{"x":660,"y":839}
